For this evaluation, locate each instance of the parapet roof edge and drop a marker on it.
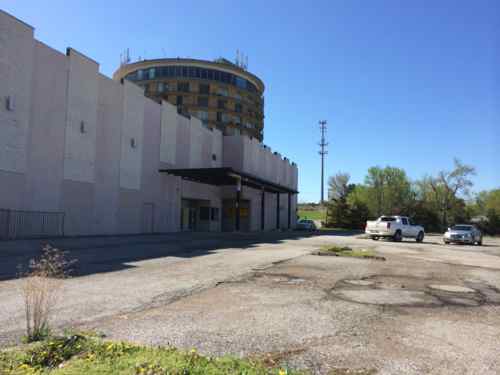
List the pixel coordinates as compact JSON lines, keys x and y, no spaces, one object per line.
{"x":70,"y":50}
{"x":17,"y":19}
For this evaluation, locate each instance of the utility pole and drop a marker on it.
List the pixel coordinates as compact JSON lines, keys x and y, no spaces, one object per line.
{"x":322,"y":152}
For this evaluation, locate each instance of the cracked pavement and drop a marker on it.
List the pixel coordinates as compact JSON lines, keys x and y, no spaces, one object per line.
{"x":428,"y":309}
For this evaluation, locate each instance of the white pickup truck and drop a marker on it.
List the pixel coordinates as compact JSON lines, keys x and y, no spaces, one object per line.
{"x":395,"y":227}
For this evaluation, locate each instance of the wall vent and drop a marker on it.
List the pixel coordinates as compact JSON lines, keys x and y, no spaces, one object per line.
{"x":10,"y":103}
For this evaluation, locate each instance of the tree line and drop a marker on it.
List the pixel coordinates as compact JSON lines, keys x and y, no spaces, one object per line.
{"x":436,"y":202}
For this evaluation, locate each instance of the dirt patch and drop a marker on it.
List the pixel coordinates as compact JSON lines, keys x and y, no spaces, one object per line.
{"x":346,"y":251}
{"x":332,"y":254}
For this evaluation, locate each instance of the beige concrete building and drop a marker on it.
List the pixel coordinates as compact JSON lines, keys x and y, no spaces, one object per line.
{"x":221,"y":94}
{"x":82,"y":154}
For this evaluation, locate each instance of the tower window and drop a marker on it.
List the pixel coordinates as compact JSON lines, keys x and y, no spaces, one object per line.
{"x":221,"y":104}
{"x":183,"y":86}
{"x":204,"y":88}
{"x":202,"y":101}
{"x":152,"y":72}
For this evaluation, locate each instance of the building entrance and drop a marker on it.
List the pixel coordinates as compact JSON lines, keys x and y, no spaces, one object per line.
{"x":229,"y":215}
{"x":198,"y":216}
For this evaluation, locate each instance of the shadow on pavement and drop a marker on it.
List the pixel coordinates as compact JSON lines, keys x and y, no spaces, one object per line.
{"x":114,"y":253}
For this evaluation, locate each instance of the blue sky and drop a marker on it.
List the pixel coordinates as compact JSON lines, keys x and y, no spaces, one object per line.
{"x":407,"y":84}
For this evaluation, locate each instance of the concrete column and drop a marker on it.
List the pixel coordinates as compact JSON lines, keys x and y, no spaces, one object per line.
{"x":289,"y":210}
{"x":278,"y":211}
{"x":237,"y":204}
{"x":263,"y":209}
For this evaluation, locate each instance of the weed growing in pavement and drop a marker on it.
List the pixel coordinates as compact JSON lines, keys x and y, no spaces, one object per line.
{"x":346,"y":251}
{"x":41,"y":288}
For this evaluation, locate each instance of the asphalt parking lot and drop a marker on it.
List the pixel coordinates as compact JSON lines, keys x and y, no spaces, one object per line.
{"x":427,"y":309}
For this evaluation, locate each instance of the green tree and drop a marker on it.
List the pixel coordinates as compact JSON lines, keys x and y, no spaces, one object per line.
{"x":375,"y":181}
{"x":487,"y":204}
{"x":493,"y":225}
{"x":337,"y":207}
{"x":389,"y":191}
{"x":446,"y":186}
{"x":424,"y":215}
{"x":361,"y":196}
{"x":358,"y":214}
{"x":491,"y":200}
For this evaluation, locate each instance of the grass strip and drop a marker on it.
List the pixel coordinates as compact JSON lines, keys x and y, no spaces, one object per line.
{"x":92,"y":355}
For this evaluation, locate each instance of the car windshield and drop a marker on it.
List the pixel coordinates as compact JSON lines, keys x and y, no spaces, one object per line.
{"x":461,"y":227}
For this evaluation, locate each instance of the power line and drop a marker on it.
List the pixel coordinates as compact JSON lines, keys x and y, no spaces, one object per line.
{"x":322,"y":151}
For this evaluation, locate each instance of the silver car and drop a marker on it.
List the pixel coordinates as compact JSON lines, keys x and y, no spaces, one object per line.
{"x":306,"y":224}
{"x":464,"y":234}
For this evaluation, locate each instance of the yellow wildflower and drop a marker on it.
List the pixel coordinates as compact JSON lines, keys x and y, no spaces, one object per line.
{"x":282,"y":372}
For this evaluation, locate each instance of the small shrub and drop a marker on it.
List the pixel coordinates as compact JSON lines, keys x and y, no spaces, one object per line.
{"x":52,"y":263}
{"x":40,"y":288}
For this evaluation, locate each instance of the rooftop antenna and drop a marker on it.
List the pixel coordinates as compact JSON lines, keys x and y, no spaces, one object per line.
{"x":125,"y":57}
{"x":241,"y":60}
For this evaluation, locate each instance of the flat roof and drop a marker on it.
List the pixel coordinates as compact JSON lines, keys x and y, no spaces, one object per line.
{"x":125,"y":69}
{"x":226,"y":176}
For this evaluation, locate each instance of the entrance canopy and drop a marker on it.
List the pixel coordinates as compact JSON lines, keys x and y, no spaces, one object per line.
{"x":227,"y":176}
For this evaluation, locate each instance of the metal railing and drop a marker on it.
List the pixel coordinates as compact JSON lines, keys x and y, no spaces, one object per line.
{"x":30,"y":224}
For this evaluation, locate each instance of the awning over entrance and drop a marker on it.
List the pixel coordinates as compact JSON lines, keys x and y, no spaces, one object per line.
{"x":227,"y":176}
